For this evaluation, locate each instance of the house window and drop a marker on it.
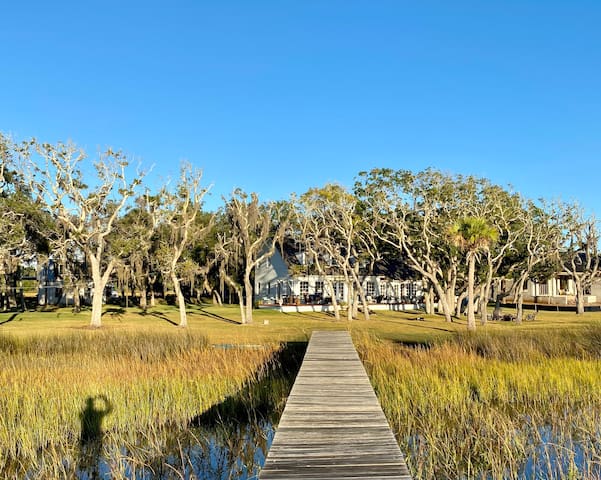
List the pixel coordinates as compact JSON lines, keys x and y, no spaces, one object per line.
{"x":563,"y":285}
{"x":370,"y":289}
{"x":339,"y":289}
{"x":543,"y":289}
{"x":318,"y":286}
{"x":304,"y":288}
{"x":411,"y":290}
{"x":268,"y":288}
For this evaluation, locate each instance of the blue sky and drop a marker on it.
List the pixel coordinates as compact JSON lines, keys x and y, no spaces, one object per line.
{"x":279,"y":96}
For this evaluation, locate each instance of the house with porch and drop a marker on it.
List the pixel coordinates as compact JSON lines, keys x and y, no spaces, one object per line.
{"x":288,"y":279}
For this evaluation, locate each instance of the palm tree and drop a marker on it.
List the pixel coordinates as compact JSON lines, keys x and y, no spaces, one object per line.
{"x":472,"y":235}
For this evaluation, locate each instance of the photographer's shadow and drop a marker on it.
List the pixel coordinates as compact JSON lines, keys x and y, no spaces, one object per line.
{"x":90,"y":441}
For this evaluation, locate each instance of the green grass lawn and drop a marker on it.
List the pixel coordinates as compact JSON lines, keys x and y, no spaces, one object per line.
{"x":221,"y":324}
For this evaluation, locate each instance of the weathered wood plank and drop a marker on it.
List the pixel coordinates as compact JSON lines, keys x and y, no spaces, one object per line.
{"x":333,"y":426}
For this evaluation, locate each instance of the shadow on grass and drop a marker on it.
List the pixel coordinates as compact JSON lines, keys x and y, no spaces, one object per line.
{"x":313,"y":317}
{"x":10,"y":319}
{"x":161,"y":316}
{"x":262,"y":399}
{"x":114,"y":312}
{"x":217,"y":317}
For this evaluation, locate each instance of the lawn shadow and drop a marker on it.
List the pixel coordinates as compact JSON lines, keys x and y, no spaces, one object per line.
{"x":10,"y":319}
{"x":217,"y":317}
{"x":117,"y":312}
{"x":161,"y":316}
{"x":308,"y":315}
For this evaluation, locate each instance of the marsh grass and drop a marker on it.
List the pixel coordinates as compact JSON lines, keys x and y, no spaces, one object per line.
{"x":111,"y":387}
{"x":509,"y":405}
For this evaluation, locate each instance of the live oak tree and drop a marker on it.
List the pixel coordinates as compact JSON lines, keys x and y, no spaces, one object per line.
{"x":538,"y":244}
{"x":256,"y":229}
{"x":580,"y":255}
{"x":134,"y":238}
{"x":311,"y":232}
{"x":412,"y":213}
{"x":88,"y":212}
{"x":333,"y":232}
{"x":503,"y":210}
{"x":179,"y":210}
{"x":24,"y":225}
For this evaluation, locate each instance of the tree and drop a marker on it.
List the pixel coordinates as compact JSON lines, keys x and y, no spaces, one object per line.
{"x":134,"y":238}
{"x":87,"y":212}
{"x":332,"y":232}
{"x":180,"y":209}
{"x":504,"y":211}
{"x":412,"y":213}
{"x":472,"y":234}
{"x":581,"y":251}
{"x":538,"y":244}
{"x":255,"y":231}
{"x":24,"y":225}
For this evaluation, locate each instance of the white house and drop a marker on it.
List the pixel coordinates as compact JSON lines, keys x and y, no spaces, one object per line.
{"x":287,"y":278}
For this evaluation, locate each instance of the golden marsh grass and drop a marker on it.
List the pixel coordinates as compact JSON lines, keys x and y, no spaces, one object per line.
{"x":509,"y":405}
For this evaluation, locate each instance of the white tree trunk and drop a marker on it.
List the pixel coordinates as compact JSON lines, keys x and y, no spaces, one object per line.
{"x":579,"y":295}
{"x":181,"y":302}
{"x":330,"y":285}
{"x":100,"y":282}
{"x":248,"y":290}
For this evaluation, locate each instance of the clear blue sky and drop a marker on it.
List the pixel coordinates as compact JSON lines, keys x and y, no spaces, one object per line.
{"x":279,"y":96}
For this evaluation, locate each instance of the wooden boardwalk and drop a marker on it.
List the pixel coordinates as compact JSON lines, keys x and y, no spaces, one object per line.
{"x":333,"y":426}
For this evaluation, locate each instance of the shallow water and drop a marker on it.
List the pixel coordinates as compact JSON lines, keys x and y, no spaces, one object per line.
{"x":197,"y":453}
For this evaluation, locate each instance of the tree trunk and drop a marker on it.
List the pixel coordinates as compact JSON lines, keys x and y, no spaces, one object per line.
{"x":151,"y":281}
{"x":76,"y":298}
{"x":519,"y":300}
{"x":442,"y":303}
{"x":471,"y":317}
{"x":429,"y":299}
{"x":181,"y":302}
{"x":484,"y":297}
{"x":361,"y":292}
{"x":333,"y":297}
{"x":248,"y":290}
{"x":143,"y":295}
{"x":99,"y":284}
{"x":241,"y":304}
{"x":579,"y":296}
{"x":459,"y":304}
{"x":350,"y":301}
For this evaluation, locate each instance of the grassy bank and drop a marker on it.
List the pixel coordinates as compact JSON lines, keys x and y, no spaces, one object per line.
{"x":512,"y":404}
